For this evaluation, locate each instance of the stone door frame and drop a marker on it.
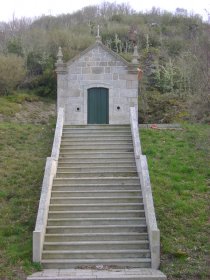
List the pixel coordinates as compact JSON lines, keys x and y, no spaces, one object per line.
{"x":97,"y":85}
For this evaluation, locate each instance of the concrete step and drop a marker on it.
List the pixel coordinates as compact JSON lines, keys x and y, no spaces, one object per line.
{"x":97,"y":193}
{"x":96,"y":214}
{"x":100,"y":273}
{"x":95,"y":174}
{"x":94,"y":145}
{"x":93,"y":200}
{"x":98,"y":245}
{"x":98,"y":126}
{"x":94,"y":129}
{"x":100,"y":164}
{"x":105,"y":129}
{"x":97,"y":148}
{"x":96,"y":133}
{"x":95,"y":254}
{"x":96,"y":221}
{"x":94,"y":156}
{"x":99,"y":240}
{"x":96,"y":229}
{"x":90,"y":142}
{"x":96,"y":161}
{"x":96,"y":136}
{"x":65,"y":186}
{"x":91,"y":137}
{"x":95,"y":180}
{"x":66,"y":263}
{"x":96,"y":206}
{"x":97,"y":169}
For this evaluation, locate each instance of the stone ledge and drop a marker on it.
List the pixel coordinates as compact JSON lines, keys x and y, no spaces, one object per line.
{"x":100,"y":274}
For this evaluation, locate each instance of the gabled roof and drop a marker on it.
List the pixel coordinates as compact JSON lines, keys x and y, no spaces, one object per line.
{"x":96,"y":44}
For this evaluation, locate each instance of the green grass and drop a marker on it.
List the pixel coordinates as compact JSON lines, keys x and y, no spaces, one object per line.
{"x":179,"y":171}
{"x":178,"y":163}
{"x":23,"y":151}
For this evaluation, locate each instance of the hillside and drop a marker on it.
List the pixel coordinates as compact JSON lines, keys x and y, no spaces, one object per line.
{"x":178,"y":164}
{"x":174,"y":55}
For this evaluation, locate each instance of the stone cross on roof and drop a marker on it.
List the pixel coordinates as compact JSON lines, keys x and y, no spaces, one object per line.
{"x":98,"y":37}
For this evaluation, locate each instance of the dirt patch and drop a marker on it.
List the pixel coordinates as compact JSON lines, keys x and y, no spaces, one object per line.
{"x":32,"y":112}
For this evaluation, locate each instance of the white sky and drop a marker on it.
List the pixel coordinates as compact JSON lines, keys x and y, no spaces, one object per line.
{"x":28,"y":8}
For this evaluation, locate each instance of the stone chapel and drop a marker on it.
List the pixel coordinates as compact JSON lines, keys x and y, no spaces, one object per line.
{"x":97,"y":87}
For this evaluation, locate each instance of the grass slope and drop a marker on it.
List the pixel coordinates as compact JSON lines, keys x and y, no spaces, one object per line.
{"x":23,"y":151}
{"x":178,"y":162}
{"x":179,"y":170}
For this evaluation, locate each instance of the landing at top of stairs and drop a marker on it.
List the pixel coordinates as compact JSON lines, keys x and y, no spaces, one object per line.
{"x":100,"y":274}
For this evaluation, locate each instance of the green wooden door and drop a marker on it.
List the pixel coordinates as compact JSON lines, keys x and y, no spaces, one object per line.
{"x":98,"y":106}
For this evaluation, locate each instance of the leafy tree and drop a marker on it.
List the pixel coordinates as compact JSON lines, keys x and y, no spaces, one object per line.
{"x":14,"y":46}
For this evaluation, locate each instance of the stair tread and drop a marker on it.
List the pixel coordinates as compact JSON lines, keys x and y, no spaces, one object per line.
{"x":100,"y":226}
{"x":93,"y":172}
{"x":96,"y":191}
{"x":98,"y":204}
{"x":100,"y":211}
{"x":96,"y":233}
{"x":96,"y":219}
{"x":96,"y":242}
{"x":103,"y":166}
{"x":98,"y":184}
{"x":95,"y":251}
{"x":129,"y":260}
{"x":107,"y":152}
{"x":96,"y":178}
{"x":96,"y":198}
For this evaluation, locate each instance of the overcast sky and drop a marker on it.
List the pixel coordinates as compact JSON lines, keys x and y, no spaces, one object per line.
{"x":27,"y":8}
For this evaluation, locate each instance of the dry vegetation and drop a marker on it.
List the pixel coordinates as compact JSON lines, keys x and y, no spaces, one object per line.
{"x":174,"y":55}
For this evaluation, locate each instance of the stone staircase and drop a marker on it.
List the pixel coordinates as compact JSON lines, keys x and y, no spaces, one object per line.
{"x":96,"y":214}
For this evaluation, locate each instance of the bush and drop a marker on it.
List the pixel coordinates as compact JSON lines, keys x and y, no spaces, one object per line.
{"x":155,"y":107}
{"x":11,"y":72}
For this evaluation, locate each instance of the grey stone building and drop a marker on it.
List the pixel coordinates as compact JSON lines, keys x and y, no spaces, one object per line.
{"x":97,"y":87}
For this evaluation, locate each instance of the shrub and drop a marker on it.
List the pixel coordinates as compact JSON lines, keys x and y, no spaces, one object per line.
{"x":11,"y":72}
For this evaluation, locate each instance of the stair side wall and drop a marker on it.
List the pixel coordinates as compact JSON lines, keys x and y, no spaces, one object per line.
{"x":143,"y":171}
{"x":49,"y":174}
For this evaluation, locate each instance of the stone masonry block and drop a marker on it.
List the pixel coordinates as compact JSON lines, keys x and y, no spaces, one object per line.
{"x":86,"y":70}
{"x":97,"y":70}
{"x":112,"y":63}
{"x":81,"y":64}
{"x":107,"y":69}
{"x":103,"y":63}
{"x":75,"y":93}
{"x":91,"y":63}
{"x":115,"y":76}
{"x":107,"y":77}
{"x":128,"y":84}
{"x":73,"y":77}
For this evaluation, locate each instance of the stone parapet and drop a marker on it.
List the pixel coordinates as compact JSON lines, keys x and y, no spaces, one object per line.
{"x":142,"y":168}
{"x":50,"y":171}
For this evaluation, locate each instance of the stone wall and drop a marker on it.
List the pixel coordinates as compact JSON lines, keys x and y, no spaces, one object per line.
{"x":97,"y":67}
